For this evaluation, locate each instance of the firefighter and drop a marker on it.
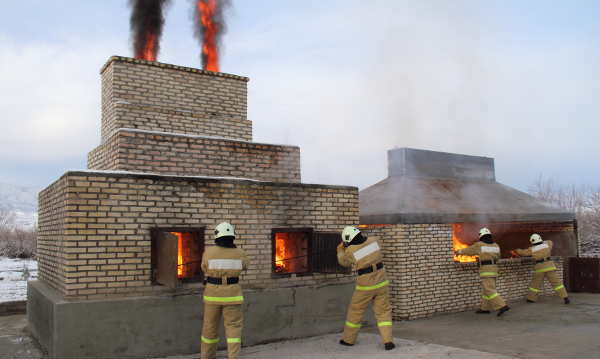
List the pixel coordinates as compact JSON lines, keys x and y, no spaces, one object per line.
{"x":489,"y":253}
{"x":222,"y":265}
{"x":544,"y":268}
{"x":364,"y":254}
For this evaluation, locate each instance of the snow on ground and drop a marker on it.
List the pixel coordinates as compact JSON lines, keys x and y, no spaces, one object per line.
{"x":14,"y":274}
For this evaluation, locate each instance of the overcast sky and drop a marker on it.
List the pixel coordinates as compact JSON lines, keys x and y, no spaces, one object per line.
{"x":345,"y":80}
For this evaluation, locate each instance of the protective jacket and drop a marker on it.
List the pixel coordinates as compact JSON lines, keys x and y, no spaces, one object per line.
{"x":223,"y":263}
{"x":222,"y":297}
{"x":544,"y":268}
{"x":488,"y":254}
{"x":372,"y":285}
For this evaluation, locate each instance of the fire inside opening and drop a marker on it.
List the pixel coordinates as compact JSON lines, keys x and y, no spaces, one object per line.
{"x":177,"y":256}
{"x":189,"y":255}
{"x":291,"y":252}
{"x":459,"y":242}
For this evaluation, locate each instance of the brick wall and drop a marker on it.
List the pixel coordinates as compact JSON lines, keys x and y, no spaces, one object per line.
{"x":52,"y":227}
{"x":140,"y":151}
{"x":108,"y":217}
{"x":169,"y":98}
{"x":425,"y":280}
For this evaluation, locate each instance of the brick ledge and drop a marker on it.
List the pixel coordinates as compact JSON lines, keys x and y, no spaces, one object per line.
{"x":170,"y":66}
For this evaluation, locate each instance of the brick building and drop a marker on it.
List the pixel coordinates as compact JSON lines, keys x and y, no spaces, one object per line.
{"x":176,"y":159}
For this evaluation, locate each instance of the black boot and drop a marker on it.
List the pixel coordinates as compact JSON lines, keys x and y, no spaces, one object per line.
{"x":344,"y":343}
{"x":567,"y":300}
{"x":389,"y":346}
{"x":503,"y":310}
{"x":530,"y":301}
{"x":481,"y":311}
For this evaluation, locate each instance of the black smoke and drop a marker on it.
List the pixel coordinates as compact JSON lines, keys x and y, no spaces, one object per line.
{"x":147,"y":20}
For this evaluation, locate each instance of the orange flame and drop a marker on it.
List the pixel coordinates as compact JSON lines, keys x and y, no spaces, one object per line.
{"x":149,"y":50}
{"x":179,"y":254}
{"x":281,"y":265}
{"x":210,"y":50}
{"x":458,"y":244}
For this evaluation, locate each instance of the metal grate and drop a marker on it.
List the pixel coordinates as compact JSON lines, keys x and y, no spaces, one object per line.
{"x":324,"y":256}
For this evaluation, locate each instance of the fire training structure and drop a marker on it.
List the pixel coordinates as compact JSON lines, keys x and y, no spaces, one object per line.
{"x":120,"y":244}
{"x":433,"y":203}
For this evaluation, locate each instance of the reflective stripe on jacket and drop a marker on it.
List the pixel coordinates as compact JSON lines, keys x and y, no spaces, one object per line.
{"x":486,"y":252}
{"x":362,"y":256}
{"x":220,"y":262}
{"x":541,"y":251}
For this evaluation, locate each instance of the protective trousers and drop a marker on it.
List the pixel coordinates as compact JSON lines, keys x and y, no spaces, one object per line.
{"x":383,"y":313}
{"x":490,"y":298}
{"x":233,"y":321}
{"x":537,"y":283}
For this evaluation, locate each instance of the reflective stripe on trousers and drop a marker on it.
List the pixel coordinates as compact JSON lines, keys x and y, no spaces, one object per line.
{"x":373,"y":287}
{"x":490,"y":297}
{"x":209,"y":341}
{"x":224,"y":299}
{"x":352,"y":325}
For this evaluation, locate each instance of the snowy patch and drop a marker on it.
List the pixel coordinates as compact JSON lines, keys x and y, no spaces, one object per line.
{"x":14,"y":274}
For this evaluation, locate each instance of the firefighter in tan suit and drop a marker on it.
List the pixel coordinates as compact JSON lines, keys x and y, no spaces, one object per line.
{"x":544,"y":268}
{"x":222,"y":265}
{"x":371,"y":285}
{"x":489,"y":253}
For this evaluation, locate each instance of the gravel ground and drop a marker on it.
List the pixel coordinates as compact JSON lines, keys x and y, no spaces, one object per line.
{"x":368,"y":346}
{"x":14,"y":274}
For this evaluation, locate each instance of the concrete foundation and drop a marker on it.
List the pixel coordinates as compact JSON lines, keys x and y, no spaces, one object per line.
{"x":165,"y":325}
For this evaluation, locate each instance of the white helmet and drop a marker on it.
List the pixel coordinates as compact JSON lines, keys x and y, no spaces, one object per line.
{"x":483,"y":231}
{"x":349,"y":233}
{"x":535,"y":238}
{"x":224,"y":229}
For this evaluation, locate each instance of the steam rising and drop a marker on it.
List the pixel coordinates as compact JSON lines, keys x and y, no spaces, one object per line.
{"x":146,"y":22}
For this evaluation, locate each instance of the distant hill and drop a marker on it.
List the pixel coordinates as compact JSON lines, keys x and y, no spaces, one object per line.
{"x":20,"y":200}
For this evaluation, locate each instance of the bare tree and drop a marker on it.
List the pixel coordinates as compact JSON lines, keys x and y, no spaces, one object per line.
{"x":7,"y":219}
{"x":15,"y":241}
{"x":583,"y":201}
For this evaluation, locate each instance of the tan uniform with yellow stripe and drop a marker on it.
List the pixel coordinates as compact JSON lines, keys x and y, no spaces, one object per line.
{"x":370,"y":287}
{"x":546,"y":268}
{"x":223,"y":263}
{"x":490,"y":298}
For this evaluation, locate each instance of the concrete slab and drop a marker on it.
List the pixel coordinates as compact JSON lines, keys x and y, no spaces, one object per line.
{"x":544,"y":330}
{"x":15,"y":342}
{"x":368,"y":346}
{"x":133,"y":328}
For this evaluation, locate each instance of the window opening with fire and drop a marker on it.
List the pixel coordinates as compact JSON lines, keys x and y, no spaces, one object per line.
{"x":177,"y":256}
{"x":303,"y":251}
{"x":509,"y":236}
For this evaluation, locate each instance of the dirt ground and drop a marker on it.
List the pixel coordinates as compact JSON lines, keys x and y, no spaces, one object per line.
{"x":548,"y":330}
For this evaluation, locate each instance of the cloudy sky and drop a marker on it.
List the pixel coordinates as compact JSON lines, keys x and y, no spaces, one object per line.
{"x":346,"y":80}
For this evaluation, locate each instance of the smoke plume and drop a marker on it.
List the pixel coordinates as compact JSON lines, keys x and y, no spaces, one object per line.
{"x":209,"y":26}
{"x":147,"y":20}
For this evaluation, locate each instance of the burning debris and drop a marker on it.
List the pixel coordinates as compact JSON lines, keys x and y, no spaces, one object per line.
{"x":209,"y":27}
{"x":146,"y":23}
